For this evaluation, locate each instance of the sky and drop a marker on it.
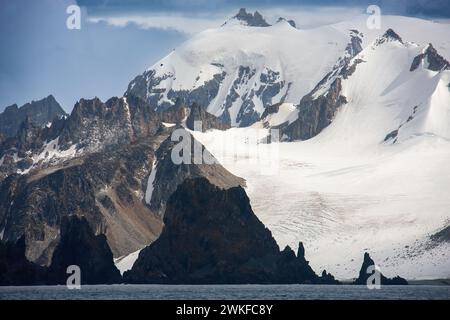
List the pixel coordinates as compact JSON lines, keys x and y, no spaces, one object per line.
{"x":119,"y":39}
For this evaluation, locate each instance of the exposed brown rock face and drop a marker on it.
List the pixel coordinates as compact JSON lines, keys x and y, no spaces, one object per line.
{"x":176,"y":113}
{"x":34,"y":204}
{"x":211,"y":235}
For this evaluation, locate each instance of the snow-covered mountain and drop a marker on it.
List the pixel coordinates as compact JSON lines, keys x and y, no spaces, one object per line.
{"x":364,"y":117}
{"x":372,"y":171}
{"x":240,"y":68}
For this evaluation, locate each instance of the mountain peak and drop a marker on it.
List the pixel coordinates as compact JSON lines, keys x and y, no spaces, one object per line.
{"x":252,"y":20}
{"x":40,"y":113}
{"x":392,"y":35}
{"x":434,"y":61}
{"x":389,"y":36}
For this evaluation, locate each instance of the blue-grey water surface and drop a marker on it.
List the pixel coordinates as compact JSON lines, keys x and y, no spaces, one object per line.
{"x":220,"y":292}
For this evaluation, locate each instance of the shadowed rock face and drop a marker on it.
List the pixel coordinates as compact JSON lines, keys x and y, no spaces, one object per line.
{"x":364,"y":276}
{"x":207,"y":120}
{"x":435,"y":62}
{"x":442,"y":236}
{"x":291,"y":22}
{"x":252,"y":20}
{"x":318,"y":108}
{"x":79,"y":246}
{"x":211,"y":235}
{"x":104,"y":182}
{"x":39,"y":113}
{"x":315,"y":113}
{"x":15,"y":269}
{"x":389,"y":36}
{"x":106,"y":187}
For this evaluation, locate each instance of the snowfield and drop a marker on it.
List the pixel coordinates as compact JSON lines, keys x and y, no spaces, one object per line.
{"x":126,"y":263}
{"x":340,"y":203}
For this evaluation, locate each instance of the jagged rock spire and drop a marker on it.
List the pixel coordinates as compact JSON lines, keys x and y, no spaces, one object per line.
{"x":252,"y":20}
{"x":301,"y":250}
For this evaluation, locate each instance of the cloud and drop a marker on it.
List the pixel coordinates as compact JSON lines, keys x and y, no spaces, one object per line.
{"x":305,"y":17}
{"x":179,"y":23}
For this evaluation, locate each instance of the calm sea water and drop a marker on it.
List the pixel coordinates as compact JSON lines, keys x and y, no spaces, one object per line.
{"x":220,"y":292}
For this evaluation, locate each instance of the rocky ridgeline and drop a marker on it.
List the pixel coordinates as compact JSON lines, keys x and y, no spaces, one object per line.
{"x":432,"y":59}
{"x":251,"y":20}
{"x":39,"y":113}
{"x":318,"y":108}
{"x":103,"y":181}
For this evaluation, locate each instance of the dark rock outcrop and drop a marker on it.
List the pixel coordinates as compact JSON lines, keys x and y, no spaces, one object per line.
{"x":364,"y":276}
{"x":146,"y":87}
{"x":208,"y":121}
{"x":435,"y":62}
{"x":176,"y":113}
{"x":252,"y":20}
{"x":442,"y":236}
{"x":39,"y":113}
{"x":79,"y":246}
{"x":391,"y":136}
{"x":315,"y":113}
{"x":94,"y":124}
{"x":291,"y":22}
{"x":211,"y":235}
{"x":199,"y":163}
{"x":15,"y":269}
{"x":106,"y":187}
{"x":318,"y":108}
{"x":389,"y":36}
{"x":104,"y":182}
{"x":271,"y":110}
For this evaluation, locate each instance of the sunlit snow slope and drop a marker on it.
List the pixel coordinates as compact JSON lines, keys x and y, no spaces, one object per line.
{"x":236,"y":71}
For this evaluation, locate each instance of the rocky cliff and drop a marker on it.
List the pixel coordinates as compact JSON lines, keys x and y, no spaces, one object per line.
{"x":79,"y":246}
{"x":211,"y":235}
{"x":95,"y":165}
